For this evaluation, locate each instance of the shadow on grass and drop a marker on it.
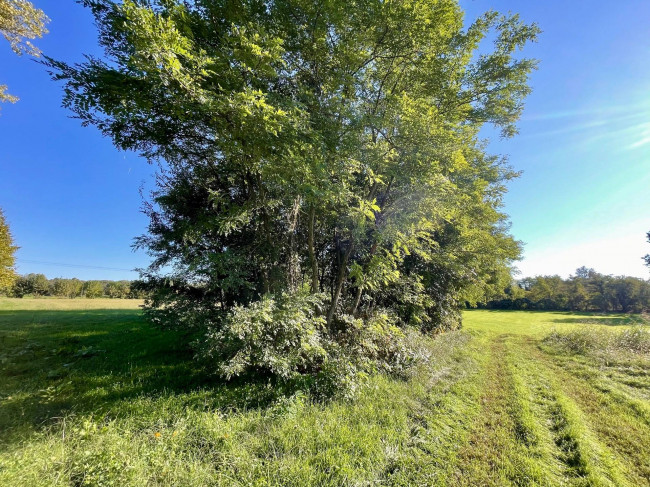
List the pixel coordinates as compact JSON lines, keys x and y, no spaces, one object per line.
{"x":581,"y":317}
{"x":594,"y":319}
{"x":57,"y":363}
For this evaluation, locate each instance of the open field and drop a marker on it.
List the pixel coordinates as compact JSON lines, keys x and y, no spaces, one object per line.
{"x":61,"y":304}
{"x":96,"y":397}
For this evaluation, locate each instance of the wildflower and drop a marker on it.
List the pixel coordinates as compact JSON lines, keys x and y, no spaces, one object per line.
{"x":157,"y":434}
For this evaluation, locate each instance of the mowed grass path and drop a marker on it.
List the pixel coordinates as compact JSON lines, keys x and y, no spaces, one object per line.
{"x":91,"y":395}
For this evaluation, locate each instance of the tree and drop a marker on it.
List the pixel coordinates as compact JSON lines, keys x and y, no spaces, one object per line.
{"x":66,"y":288}
{"x":585,"y":290}
{"x":7,"y":258}
{"x":312,"y":148}
{"x":549,"y":292}
{"x":31,"y":284}
{"x":39,"y":284}
{"x":93,"y":289}
{"x":19,"y":22}
{"x":137,"y":290}
{"x":578,"y":296}
{"x":117,"y":289}
{"x":647,"y":257}
{"x":601,"y":291}
{"x":628,"y":293}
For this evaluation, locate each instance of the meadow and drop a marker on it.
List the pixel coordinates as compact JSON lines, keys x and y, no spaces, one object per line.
{"x":91,"y":395}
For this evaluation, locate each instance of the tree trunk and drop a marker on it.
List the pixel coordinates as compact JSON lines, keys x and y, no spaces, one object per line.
{"x":357,"y":301}
{"x":292,"y":263}
{"x":340,"y":279}
{"x":312,"y":252}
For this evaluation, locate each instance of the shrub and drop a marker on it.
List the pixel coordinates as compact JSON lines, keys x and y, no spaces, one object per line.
{"x":283,"y":337}
{"x":339,"y":376}
{"x":286,"y":338}
{"x":376,"y":343}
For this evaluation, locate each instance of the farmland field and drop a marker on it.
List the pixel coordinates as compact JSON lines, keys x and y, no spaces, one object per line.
{"x":92,"y":395}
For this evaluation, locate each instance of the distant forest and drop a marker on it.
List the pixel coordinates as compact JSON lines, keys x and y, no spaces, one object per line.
{"x":38,"y":285}
{"x":587,"y":290}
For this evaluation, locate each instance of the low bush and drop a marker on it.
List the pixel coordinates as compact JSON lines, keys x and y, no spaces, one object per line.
{"x":286,"y":339}
{"x":283,"y":337}
{"x":578,"y":341}
{"x":376,"y":343}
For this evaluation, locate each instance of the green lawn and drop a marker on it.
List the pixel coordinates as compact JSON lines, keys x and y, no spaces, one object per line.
{"x":91,"y":395}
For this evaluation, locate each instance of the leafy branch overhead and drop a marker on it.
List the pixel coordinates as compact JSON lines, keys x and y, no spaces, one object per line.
{"x":311,"y":148}
{"x":20,"y":21}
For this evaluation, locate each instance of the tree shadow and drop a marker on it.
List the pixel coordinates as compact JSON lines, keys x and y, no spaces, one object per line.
{"x":57,"y":363}
{"x":601,"y":320}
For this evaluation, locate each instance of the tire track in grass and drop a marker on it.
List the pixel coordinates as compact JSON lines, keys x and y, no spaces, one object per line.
{"x":501,"y":448}
{"x":541,"y":404}
{"x":530,"y":400}
{"x":589,"y":461}
{"x":627,"y":439}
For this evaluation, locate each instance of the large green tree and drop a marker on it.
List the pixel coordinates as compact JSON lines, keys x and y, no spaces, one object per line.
{"x":7,"y":258}
{"x":19,"y":22}
{"x":322,"y":147}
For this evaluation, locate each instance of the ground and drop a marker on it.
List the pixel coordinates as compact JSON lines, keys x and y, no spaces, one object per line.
{"x":91,"y":395}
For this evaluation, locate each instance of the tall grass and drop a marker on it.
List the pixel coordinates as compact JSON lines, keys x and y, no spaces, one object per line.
{"x":588,"y":339}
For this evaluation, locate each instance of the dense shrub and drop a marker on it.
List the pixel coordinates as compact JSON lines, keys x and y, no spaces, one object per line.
{"x":283,"y":337}
{"x":286,"y":338}
{"x":375,"y":343}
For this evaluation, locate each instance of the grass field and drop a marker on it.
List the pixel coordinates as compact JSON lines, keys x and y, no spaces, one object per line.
{"x":91,"y":395}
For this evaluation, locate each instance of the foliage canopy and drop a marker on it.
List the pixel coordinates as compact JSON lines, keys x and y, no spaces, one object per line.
{"x":311,"y":148}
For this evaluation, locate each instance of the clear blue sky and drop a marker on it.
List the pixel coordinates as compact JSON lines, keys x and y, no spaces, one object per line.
{"x":584,"y":147}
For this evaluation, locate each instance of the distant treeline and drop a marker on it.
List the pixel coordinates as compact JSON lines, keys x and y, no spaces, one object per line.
{"x":39,"y":285}
{"x":587,"y":290}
